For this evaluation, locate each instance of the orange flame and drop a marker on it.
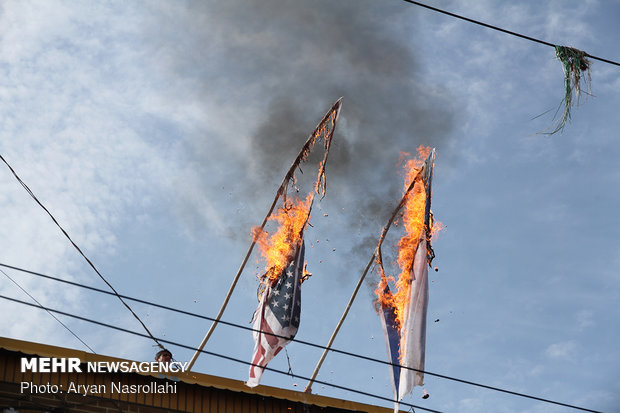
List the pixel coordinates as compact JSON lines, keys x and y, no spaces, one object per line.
{"x":413,"y":222}
{"x":277,"y":249}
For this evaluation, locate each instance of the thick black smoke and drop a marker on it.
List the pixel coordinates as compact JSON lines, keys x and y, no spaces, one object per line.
{"x":285,"y":62}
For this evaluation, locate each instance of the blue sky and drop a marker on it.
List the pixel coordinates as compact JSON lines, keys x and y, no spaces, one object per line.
{"x":157,"y":133}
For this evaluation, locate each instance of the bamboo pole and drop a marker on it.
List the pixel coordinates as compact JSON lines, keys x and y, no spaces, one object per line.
{"x":303,"y":153}
{"x":375,"y":254}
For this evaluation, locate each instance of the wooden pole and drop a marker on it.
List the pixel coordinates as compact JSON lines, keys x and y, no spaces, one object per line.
{"x":303,"y":153}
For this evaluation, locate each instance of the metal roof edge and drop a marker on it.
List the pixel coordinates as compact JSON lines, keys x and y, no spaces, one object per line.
{"x":191,"y":377}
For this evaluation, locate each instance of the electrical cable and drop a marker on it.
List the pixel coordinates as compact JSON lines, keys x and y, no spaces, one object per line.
{"x":222,"y":356}
{"x":343,"y":352}
{"x":533,"y":39}
{"x":23,"y":184}
{"x":55,"y":318}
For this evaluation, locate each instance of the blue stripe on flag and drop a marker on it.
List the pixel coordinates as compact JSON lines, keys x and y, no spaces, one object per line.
{"x":392,"y":335}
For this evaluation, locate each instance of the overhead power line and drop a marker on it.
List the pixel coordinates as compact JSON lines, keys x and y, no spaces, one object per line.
{"x":222,"y":356}
{"x":343,"y":352}
{"x":55,"y":318}
{"x":533,"y":39}
{"x":23,"y":184}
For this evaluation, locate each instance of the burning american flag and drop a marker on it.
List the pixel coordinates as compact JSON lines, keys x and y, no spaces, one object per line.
{"x":283,"y":251}
{"x":403,"y":313}
{"x":278,"y":313}
{"x":280,"y":303}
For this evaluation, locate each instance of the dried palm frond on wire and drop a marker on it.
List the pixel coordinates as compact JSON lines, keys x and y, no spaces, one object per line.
{"x":576,"y":81}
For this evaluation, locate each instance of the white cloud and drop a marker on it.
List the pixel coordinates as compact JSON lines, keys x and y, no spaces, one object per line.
{"x":585,"y":319}
{"x":70,"y":127}
{"x":565,"y":350}
{"x":566,"y":22}
{"x":471,"y":405}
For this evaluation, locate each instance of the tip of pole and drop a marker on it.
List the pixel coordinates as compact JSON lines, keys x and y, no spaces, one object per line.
{"x":336,"y":107}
